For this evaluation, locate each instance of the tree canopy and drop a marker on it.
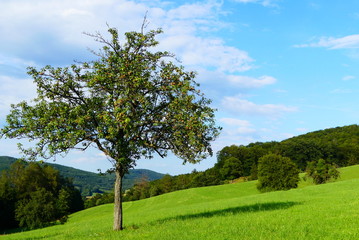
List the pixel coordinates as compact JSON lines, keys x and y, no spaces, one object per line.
{"x":276,"y":173}
{"x":131,"y":102}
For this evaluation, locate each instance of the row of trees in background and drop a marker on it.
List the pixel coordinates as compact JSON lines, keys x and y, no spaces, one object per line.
{"x":316,"y":153}
{"x":34,"y":195}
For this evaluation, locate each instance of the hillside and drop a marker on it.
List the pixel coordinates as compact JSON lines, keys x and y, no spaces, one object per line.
{"x":89,"y":182}
{"x":337,"y":146}
{"x":232,"y":211}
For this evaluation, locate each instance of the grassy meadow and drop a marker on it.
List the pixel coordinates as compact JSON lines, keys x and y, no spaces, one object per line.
{"x":232,"y":211}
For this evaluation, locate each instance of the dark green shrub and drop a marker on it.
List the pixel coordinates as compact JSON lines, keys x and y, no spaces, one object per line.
{"x":276,"y":173}
{"x":321,"y":171}
{"x":38,"y":211}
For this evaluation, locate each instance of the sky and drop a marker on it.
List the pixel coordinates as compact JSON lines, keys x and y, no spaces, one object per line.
{"x":273,"y":68}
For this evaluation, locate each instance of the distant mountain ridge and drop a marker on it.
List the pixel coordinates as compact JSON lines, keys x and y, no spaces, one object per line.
{"x":89,"y":182}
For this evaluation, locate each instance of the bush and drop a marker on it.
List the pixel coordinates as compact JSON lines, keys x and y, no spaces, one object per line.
{"x":321,"y":171}
{"x":276,"y":173}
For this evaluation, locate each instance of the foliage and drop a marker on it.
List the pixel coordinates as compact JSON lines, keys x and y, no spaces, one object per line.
{"x":131,"y":102}
{"x":276,"y":173}
{"x":231,"y":169}
{"x":321,"y":171}
{"x":38,"y":210}
{"x":33,"y":195}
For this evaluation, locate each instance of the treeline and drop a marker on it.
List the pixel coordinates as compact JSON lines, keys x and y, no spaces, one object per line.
{"x":89,"y":183}
{"x":336,"y":146}
{"x":34,"y":195}
{"x":145,"y":189}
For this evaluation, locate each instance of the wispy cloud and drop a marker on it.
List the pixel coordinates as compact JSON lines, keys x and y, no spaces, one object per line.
{"x":13,"y":90}
{"x":347,"y":42}
{"x":265,"y":3}
{"x":251,"y":82}
{"x":238,"y":126}
{"x":342,"y":91}
{"x":302,"y":130}
{"x":348,"y":77}
{"x":244,"y":107}
{"x":235,"y":122}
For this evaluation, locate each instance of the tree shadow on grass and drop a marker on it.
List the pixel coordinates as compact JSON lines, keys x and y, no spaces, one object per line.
{"x":4,"y":232}
{"x":259,"y":207}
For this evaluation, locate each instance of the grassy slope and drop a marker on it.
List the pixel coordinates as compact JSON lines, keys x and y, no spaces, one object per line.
{"x":235,"y":211}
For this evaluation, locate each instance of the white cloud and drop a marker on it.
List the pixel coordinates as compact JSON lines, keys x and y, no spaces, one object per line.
{"x":247,"y":1}
{"x":235,"y":122}
{"x":250,"y":82}
{"x":348,"y":77}
{"x":75,"y":12}
{"x":201,"y":52}
{"x":13,"y":90}
{"x":347,"y":42}
{"x":27,"y":26}
{"x":186,"y":31}
{"x":238,"y":126}
{"x":302,"y":130}
{"x":236,"y":131}
{"x":245,"y":107}
{"x":342,"y":91}
{"x":47,"y":29}
{"x":265,"y":3}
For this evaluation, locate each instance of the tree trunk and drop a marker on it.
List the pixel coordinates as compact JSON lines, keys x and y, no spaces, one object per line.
{"x":118,"y":218}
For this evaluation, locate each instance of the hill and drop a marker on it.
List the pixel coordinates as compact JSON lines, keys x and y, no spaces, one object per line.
{"x":337,"y":146}
{"x":232,"y":211}
{"x":89,"y":182}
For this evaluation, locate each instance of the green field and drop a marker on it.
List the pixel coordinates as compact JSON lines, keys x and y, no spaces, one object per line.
{"x":233,"y":211}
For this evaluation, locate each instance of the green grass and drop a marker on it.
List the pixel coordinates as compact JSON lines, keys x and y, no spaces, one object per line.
{"x":233,"y":211}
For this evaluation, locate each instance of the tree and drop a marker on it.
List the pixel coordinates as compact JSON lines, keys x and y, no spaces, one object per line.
{"x":131,"y":102}
{"x":231,"y":169}
{"x":276,"y":173}
{"x":321,"y":171}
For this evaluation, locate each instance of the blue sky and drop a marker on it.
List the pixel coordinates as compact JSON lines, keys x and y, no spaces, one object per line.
{"x":273,"y":68}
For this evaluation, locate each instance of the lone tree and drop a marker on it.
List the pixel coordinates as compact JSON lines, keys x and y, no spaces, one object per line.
{"x":276,"y":173}
{"x":321,"y":171}
{"x":129,"y":103}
